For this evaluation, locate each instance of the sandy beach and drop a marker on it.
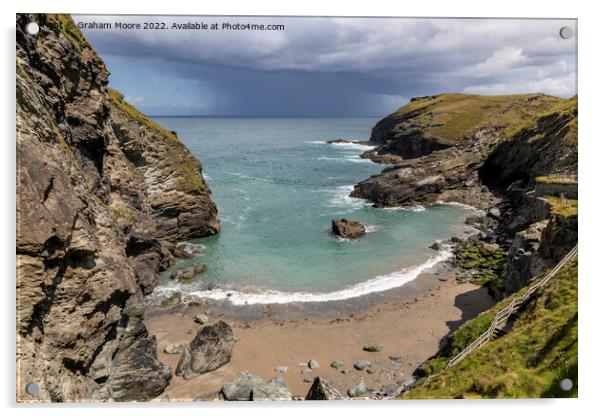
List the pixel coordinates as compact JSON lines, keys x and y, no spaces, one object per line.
{"x":408,"y":322}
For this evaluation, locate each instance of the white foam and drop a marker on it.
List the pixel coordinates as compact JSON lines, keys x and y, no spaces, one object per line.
{"x":461,"y":205}
{"x":354,"y":146}
{"x":192,"y":248}
{"x":341,"y":198}
{"x":357,"y":159}
{"x":377,"y":284}
{"x":372,"y":228}
{"x":413,"y":208}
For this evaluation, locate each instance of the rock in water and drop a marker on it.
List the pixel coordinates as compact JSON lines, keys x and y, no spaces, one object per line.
{"x":347,"y":228}
{"x":322,"y":390}
{"x":210,"y":349}
{"x":185,"y":275}
{"x":357,"y":390}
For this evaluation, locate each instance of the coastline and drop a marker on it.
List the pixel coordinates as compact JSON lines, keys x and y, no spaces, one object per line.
{"x":409,"y":322}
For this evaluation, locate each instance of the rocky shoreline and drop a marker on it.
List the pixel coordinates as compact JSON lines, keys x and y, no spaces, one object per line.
{"x":106,"y":199}
{"x":381,"y":340}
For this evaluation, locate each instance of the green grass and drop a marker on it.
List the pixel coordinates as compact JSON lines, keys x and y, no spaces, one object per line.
{"x":485,"y":265}
{"x":563,"y":206}
{"x":124,"y":214}
{"x":64,"y":24}
{"x":453,"y":117}
{"x":180,"y":158}
{"x":556,"y":180}
{"x":529,"y":361}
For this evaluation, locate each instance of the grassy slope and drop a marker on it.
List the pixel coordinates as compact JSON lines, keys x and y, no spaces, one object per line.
{"x":180,"y":158}
{"x":65,"y":24}
{"x":529,"y":361}
{"x":452,"y":117}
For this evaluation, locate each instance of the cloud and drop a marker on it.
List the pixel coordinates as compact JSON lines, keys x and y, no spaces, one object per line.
{"x":366,"y":62}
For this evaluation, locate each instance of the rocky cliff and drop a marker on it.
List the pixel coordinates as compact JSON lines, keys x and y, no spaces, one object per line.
{"x":449,"y":147}
{"x":485,"y":151}
{"x":103,"y":192}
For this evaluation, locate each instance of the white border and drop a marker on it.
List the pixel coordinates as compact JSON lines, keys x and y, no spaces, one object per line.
{"x":590,"y":152}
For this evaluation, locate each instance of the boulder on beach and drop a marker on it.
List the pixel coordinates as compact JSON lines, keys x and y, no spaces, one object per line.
{"x":137,"y":374}
{"x":209,"y":350}
{"x":362,"y":364}
{"x":313,"y":364}
{"x":322,"y":390}
{"x":273,"y":390}
{"x":240,"y":388}
{"x":174,"y":349}
{"x":357,"y":390}
{"x":248,"y":387}
{"x":346,"y":228}
{"x":201,"y":318}
{"x":372,"y":348}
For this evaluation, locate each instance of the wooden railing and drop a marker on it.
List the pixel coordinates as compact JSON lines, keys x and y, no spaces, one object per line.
{"x":516,"y":303}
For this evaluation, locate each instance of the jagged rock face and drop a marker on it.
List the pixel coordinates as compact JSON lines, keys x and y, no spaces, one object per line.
{"x":176,"y":197}
{"x":454,"y":144}
{"x":88,"y":246}
{"x":537,"y":248}
{"x":548,"y":145}
{"x":448,"y":175}
{"x":209,"y":350}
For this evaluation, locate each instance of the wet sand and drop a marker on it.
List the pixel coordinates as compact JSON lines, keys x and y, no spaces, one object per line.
{"x":409,"y":323}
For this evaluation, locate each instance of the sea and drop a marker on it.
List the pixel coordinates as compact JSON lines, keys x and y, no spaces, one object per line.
{"x":278,"y":185}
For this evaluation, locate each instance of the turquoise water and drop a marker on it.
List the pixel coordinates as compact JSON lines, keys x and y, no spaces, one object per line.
{"x":277,"y":186}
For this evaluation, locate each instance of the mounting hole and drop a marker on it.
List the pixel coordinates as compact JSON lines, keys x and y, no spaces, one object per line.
{"x":32,"y":28}
{"x":32,"y":389}
{"x":566,"y":32}
{"x":566,"y":384}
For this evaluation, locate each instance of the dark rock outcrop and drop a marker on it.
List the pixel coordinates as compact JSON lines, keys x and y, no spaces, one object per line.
{"x":345,"y":228}
{"x":209,"y":350}
{"x":138,"y":374}
{"x":322,"y":390}
{"x":454,"y":145}
{"x":101,"y":191}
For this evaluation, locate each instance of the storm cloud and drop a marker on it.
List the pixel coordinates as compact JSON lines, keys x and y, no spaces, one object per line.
{"x":330,"y":66}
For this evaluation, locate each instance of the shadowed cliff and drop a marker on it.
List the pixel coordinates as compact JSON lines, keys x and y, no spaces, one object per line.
{"x":103,"y":193}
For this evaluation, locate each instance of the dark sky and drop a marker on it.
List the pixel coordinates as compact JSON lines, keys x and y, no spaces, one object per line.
{"x":329,"y":66}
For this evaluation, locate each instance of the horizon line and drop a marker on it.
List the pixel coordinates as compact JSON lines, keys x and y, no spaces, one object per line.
{"x":259,"y":116}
